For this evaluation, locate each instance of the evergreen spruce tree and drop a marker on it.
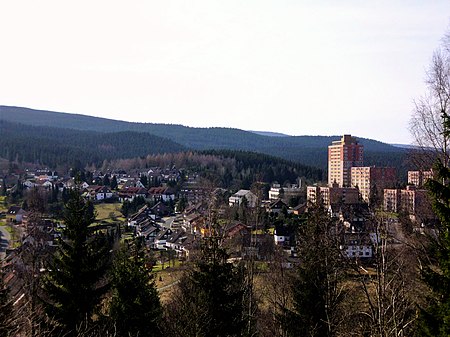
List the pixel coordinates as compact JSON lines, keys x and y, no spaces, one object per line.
{"x":106,"y":181}
{"x":114,"y":182}
{"x":211,"y":299}
{"x":6,"y":309}
{"x":3,"y":188}
{"x":144,"y":180}
{"x":430,"y":127}
{"x":435,"y":320}
{"x":316,"y":291}
{"x":135,"y":308}
{"x":75,"y":281}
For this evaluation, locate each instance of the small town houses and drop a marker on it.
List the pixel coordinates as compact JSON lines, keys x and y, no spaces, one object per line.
{"x":180,"y":233}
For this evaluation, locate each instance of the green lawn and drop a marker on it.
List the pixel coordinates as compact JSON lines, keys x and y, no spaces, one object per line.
{"x":8,"y":229}
{"x":15,"y":236}
{"x":158,"y":266}
{"x":3,"y":207}
{"x":261,"y":231}
{"x":104,"y":212}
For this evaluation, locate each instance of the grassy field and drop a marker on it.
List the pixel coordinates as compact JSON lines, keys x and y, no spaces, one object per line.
{"x":166,"y":280}
{"x":105,"y":211}
{"x":14,"y":232}
{"x":3,"y":207}
{"x":158,"y":266}
{"x":261,"y":231}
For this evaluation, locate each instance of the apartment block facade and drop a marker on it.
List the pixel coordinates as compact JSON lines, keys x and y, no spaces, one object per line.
{"x":328,"y":195}
{"x":342,"y":156}
{"x":419,"y":178}
{"x":369,"y":178}
{"x":410,"y":200}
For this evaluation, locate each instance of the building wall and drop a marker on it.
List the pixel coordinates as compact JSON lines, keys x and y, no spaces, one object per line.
{"x":342,"y":156}
{"x":368,"y":178}
{"x":411,"y":200}
{"x":332,"y":195}
{"x":391,"y":200}
{"x":237,"y":198}
{"x":419,"y":178}
{"x":312,"y":192}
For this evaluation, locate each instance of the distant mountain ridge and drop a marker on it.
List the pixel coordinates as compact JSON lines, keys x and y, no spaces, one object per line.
{"x":269,"y":133}
{"x":308,"y":150}
{"x":54,"y":146}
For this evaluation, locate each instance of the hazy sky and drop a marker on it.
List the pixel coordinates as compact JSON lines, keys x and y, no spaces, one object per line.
{"x":296,"y":67}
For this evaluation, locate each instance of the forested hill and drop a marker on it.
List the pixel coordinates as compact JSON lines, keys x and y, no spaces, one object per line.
{"x":267,"y":168}
{"x":57,"y":146}
{"x":309,"y":150}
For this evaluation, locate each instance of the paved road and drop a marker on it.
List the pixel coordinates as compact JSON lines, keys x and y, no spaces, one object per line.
{"x":5,"y":238}
{"x":168,"y":221}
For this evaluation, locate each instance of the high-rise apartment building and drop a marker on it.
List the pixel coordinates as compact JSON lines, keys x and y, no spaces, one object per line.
{"x":371,"y":179}
{"x":419,"y":178}
{"x":342,"y":156}
{"x":411,"y":200}
{"x":331,"y":195}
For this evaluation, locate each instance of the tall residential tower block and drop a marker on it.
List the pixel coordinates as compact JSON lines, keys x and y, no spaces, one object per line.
{"x":342,"y":156}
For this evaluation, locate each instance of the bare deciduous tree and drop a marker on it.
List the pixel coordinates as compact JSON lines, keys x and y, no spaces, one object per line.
{"x":426,"y":124}
{"x":386,"y":305}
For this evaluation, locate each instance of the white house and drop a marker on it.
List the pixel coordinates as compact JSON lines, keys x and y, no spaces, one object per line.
{"x":241,"y":195}
{"x":356,"y":245}
{"x":103,"y":193}
{"x":286,"y":192}
{"x":29,"y":184}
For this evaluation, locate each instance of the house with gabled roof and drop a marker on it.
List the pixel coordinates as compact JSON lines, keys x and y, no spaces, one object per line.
{"x":356,"y":245}
{"x":190,"y":221}
{"x":128,"y":194}
{"x":132,"y":183}
{"x":149,"y":230}
{"x":284,"y":236}
{"x":103,"y":193}
{"x":17,"y":213}
{"x":143,"y":214}
{"x":161,"y":239}
{"x":238,"y":198}
{"x":276,"y":206}
{"x":160,"y":209}
{"x":182,"y":243}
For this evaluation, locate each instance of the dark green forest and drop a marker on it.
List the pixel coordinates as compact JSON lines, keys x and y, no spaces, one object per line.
{"x":308,"y":150}
{"x":55,"y":146}
{"x":259,"y":167}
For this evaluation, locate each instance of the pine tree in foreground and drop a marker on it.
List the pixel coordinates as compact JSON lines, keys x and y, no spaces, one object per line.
{"x":317,"y":293}
{"x":75,"y":282}
{"x":6,"y":309}
{"x":135,"y":309}
{"x":435,"y":320}
{"x":211,"y":299}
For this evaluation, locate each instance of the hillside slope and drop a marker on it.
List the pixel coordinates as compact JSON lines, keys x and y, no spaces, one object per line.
{"x":56,"y":146}
{"x":309,"y":150}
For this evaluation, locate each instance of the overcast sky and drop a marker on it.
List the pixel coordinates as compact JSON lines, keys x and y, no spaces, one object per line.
{"x":296,"y":67}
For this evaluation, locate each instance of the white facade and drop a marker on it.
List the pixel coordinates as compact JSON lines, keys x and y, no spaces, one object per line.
{"x":237,"y":198}
{"x":357,"y":251}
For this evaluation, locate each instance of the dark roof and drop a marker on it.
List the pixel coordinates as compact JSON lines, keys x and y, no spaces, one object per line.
{"x":283,"y":230}
{"x":15,"y":210}
{"x":277,"y":204}
{"x":176,"y":236}
{"x":157,"y":190}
